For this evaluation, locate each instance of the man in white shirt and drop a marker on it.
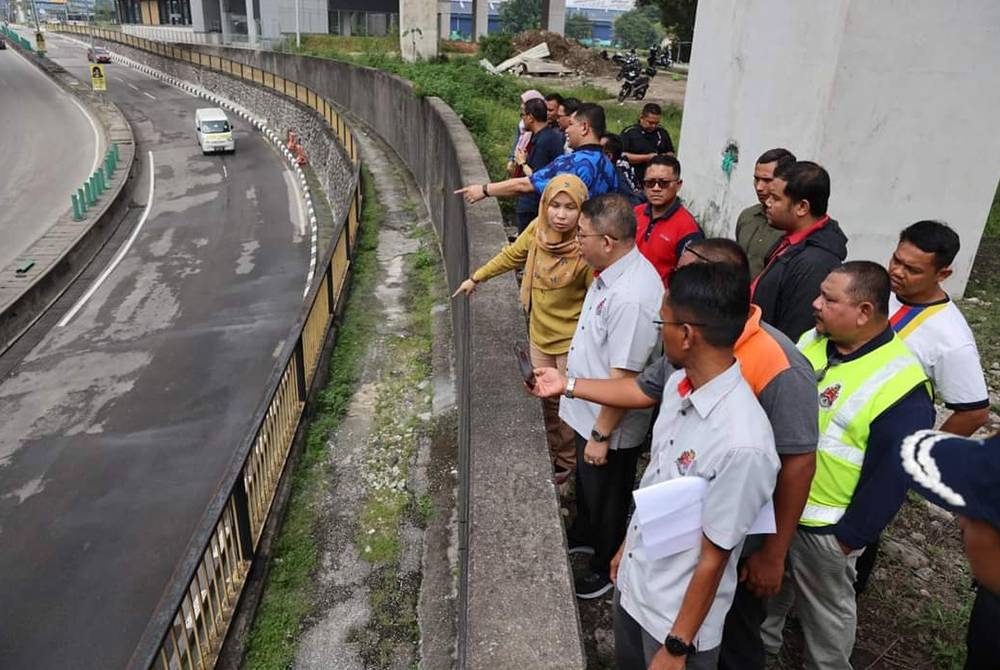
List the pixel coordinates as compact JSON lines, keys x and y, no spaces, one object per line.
{"x":669,"y":612}
{"x":933,"y":328}
{"x":614,"y":338}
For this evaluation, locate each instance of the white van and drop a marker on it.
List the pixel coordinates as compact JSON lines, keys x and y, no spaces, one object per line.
{"x":213,"y":129}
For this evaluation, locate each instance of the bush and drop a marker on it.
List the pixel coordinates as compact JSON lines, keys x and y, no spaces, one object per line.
{"x":496,"y":48}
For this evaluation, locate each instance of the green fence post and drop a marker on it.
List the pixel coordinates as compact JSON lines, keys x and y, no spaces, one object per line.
{"x":77,"y":212}
{"x":102,"y":184}
{"x":81,"y":199}
{"x":115,"y":149}
{"x":88,"y":194}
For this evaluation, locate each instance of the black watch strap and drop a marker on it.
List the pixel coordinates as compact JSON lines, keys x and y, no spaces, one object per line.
{"x":678,"y":647}
{"x":598,"y":437}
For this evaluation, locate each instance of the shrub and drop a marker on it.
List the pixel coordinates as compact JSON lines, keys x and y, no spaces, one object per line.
{"x":496,"y":48}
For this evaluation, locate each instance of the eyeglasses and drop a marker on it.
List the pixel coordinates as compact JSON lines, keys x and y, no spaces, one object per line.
{"x":579,"y":235}
{"x":690,"y":248}
{"x":662,"y":183}
{"x":658,"y":323}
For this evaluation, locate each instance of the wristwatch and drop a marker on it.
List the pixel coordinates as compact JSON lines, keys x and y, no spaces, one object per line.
{"x":678,"y":647}
{"x":598,"y":437}
{"x":570,"y":385}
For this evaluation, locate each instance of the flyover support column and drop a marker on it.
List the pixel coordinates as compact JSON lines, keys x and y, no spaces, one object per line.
{"x":418,"y":29}
{"x":554,"y":16}
{"x":879,"y":97}
{"x":480,"y":19}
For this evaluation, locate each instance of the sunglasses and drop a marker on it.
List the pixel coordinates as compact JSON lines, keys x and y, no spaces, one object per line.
{"x":662,"y":183}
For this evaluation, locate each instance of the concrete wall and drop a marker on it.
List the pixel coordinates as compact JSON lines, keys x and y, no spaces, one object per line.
{"x":899,"y":100}
{"x":516,"y":608}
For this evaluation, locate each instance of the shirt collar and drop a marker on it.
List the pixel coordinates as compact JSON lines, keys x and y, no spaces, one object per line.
{"x":798,"y":236}
{"x":649,"y":209}
{"x":705,"y":398}
{"x":751,"y":327}
{"x":588,"y":147}
{"x":610,"y":274}
{"x":871,"y":345}
{"x":942,"y":301}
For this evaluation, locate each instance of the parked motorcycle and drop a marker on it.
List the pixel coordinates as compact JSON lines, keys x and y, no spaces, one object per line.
{"x":659,"y":57}
{"x":635,"y":79}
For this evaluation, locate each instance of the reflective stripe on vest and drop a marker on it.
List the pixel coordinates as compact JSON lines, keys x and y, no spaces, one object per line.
{"x":851,"y":396}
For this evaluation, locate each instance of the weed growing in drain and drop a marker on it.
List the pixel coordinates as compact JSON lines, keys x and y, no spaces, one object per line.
{"x":287,"y":599}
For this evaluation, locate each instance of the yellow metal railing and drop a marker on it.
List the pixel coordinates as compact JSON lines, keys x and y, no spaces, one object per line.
{"x":187,"y":631}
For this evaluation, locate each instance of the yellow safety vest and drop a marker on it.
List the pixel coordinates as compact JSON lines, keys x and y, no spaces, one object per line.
{"x":851,"y":396}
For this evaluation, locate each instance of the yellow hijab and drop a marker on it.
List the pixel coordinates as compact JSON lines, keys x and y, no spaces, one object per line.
{"x":554,"y":259}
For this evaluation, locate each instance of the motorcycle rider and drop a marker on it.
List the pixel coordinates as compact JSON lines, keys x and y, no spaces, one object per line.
{"x":646,"y":139}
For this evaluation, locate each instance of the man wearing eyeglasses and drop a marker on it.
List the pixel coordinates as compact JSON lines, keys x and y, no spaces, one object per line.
{"x":664,"y":225}
{"x":613,"y":339}
{"x":545,"y":145}
{"x":872,"y":393}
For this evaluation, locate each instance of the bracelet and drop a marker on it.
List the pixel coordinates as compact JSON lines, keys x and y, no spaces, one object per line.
{"x":473,"y":279}
{"x":486,"y":190}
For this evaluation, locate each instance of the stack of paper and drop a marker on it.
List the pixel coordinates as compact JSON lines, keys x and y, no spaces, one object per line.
{"x":669,"y":515}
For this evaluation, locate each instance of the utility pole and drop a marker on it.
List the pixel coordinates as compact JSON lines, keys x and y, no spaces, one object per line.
{"x":298,"y":34}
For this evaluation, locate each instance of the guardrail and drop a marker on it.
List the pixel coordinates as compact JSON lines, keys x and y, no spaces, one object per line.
{"x":189,"y":625}
{"x":12,"y":35}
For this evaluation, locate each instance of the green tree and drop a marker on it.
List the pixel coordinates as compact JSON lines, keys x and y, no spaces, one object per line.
{"x":639,"y":28}
{"x":676,"y":15}
{"x":516,"y":16}
{"x":579,"y":27}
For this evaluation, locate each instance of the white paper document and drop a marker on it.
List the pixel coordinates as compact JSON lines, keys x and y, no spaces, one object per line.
{"x":669,"y":515}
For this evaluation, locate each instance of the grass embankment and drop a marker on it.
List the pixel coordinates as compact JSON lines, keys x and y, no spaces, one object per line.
{"x":287,"y":597}
{"x":487,"y":104}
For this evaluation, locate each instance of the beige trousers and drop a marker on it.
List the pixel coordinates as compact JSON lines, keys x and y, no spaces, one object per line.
{"x":562,"y":447}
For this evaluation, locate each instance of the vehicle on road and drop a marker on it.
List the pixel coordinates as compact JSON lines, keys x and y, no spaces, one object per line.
{"x":214,"y":132}
{"x":98,"y":55}
{"x":3,"y":44}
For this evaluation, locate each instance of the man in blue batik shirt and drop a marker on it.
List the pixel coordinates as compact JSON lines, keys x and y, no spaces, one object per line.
{"x":587,"y":162}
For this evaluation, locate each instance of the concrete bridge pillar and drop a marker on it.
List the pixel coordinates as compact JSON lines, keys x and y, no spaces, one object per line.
{"x":898,"y":100}
{"x":418,"y":29}
{"x":554,"y":16}
{"x":480,"y":19}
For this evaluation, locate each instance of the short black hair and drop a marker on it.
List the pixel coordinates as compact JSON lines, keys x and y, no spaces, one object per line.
{"x":779,"y":156}
{"x":610,"y":214}
{"x":554,"y":97}
{"x":570,"y":105}
{"x":712,"y":294}
{"x":668,"y":161}
{"x":613,"y":145}
{"x":869,"y":283}
{"x":593,"y":114}
{"x":536,"y":108}
{"x":651,"y":108}
{"x":805,"y":180}
{"x":933,"y":237}
{"x":722,"y":250}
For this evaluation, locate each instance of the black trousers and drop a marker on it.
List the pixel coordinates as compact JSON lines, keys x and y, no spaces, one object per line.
{"x":983,"y":640}
{"x":603,"y":497}
{"x":865,"y":566}
{"x":742,"y":647}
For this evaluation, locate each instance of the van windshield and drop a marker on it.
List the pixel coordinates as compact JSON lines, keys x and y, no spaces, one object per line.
{"x":215,"y":127}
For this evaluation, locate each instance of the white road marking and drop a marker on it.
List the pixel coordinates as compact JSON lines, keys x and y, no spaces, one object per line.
{"x":148,"y":95}
{"x":119,"y":256}
{"x":225,"y":172}
{"x":130,"y":85}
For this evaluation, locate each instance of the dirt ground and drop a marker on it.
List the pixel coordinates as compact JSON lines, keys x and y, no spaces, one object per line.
{"x":662,"y":90}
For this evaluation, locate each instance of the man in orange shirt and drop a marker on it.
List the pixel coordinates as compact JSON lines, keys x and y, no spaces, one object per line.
{"x":785,"y":385}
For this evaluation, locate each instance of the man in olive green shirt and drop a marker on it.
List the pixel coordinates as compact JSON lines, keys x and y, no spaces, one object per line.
{"x":752,"y":232}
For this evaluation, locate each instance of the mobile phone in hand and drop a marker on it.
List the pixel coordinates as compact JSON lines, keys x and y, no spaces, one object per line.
{"x":524,"y":363}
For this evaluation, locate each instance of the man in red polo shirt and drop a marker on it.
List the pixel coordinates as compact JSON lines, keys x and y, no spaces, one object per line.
{"x":813,"y":244}
{"x":664,"y":226}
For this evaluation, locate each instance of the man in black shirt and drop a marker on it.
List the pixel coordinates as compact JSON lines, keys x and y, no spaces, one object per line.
{"x":546,"y":145}
{"x":646,"y":139}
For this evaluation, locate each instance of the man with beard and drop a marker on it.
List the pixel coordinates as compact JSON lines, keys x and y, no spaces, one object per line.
{"x":753,"y":233}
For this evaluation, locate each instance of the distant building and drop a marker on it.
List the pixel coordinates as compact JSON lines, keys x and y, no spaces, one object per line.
{"x":602,"y":15}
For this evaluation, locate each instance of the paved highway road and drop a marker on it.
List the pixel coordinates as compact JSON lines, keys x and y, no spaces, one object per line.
{"x":118,"y":425}
{"x":48,"y":147}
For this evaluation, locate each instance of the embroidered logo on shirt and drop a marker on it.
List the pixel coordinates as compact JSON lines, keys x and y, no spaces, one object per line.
{"x":685,"y":461}
{"x":600,"y":305}
{"x":829,"y":395}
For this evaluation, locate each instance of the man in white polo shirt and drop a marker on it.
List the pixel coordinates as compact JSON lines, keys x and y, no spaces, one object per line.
{"x":669,"y":612}
{"x":933,"y":328}
{"x":614,"y":338}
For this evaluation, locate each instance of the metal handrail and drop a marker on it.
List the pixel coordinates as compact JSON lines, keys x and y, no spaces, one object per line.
{"x":190,"y":621}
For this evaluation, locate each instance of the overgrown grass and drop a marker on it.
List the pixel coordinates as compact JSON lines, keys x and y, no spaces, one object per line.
{"x":993,"y":220}
{"x":288,"y":597}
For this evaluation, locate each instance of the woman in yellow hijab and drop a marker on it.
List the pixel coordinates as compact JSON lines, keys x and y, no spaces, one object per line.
{"x":552,"y":291}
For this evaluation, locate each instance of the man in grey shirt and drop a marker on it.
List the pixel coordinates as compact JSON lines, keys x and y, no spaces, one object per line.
{"x":614,"y":338}
{"x":753,"y":233}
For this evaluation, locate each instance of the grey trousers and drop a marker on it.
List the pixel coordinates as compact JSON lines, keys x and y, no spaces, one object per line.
{"x":820,"y":583}
{"x":635,"y":648}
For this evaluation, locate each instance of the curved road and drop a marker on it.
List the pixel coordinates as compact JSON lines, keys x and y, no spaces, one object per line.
{"x":118,"y":426}
{"x":48,"y":147}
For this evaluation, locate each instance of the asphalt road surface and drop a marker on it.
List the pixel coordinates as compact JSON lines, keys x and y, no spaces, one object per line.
{"x":121,"y":416}
{"x":48,"y":148}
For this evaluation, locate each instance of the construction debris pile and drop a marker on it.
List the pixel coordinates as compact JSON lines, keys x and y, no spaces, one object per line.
{"x":544,"y":53}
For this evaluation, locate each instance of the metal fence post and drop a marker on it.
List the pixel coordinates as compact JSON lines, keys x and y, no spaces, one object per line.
{"x":242,"y":506}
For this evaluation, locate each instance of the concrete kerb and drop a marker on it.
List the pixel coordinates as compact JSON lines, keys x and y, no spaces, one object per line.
{"x":76,"y":242}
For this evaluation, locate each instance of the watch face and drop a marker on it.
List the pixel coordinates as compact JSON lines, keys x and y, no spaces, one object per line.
{"x":676,"y":646}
